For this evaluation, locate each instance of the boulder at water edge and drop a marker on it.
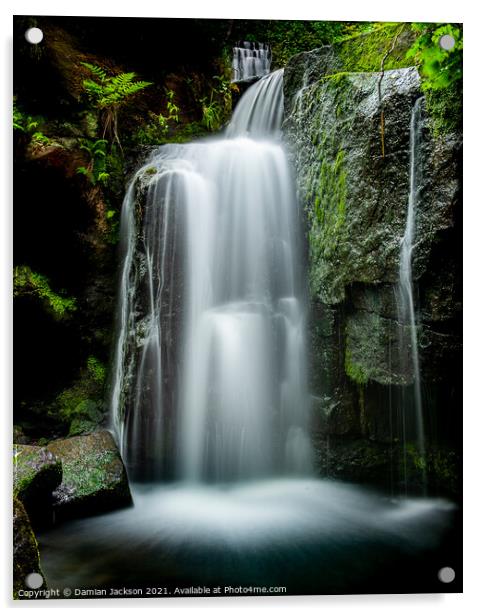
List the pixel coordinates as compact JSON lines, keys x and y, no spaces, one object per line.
{"x":25,"y":549}
{"x":94,"y":477}
{"x":36,"y":474}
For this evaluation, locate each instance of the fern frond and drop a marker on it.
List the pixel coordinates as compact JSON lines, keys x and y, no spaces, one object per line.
{"x":97,"y":71}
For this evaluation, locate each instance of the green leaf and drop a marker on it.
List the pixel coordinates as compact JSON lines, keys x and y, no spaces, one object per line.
{"x":103,"y":177}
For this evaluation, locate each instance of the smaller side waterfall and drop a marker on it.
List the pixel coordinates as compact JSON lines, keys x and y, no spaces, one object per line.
{"x":251,"y":60}
{"x":405,"y":297}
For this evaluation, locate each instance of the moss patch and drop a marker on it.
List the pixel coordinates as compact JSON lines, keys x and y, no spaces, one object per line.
{"x":36,"y":472}
{"x":96,"y":369}
{"x":94,"y":477}
{"x":327,"y":187}
{"x":445,"y":109}
{"x":356,"y":372}
{"x":365,"y":52}
{"x":28,"y":282}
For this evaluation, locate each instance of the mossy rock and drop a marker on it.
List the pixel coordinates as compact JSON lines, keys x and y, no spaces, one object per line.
{"x":357,"y":54}
{"x":36,"y":474}
{"x":79,"y":409}
{"x":26,"y":557}
{"x":19,"y":436}
{"x":94,"y":476}
{"x":89,"y":410}
{"x":80,"y":426}
{"x":85,"y":418}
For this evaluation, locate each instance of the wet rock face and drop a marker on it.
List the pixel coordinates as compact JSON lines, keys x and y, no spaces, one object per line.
{"x":164,"y":278}
{"x":354,"y":193}
{"x":355,"y":198}
{"x":94,"y":478}
{"x":36,"y":474}
{"x":25,"y":549}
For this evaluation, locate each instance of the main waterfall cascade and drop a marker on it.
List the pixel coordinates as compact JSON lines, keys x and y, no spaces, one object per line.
{"x":250,"y":60}
{"x":405,"y":296}
{"x":210,"y":361}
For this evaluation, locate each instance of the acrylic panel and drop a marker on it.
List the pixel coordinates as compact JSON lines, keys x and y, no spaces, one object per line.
{"x":237,"y":298}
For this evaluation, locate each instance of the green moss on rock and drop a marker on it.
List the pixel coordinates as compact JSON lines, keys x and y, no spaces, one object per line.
{"x":328,"y":215}
{"x":445,"y":109}
{"x":26,"y":557}
{"x":360,"y":53}
{"x":94,"y":477}
{"x":97,"y":369}
{"x":36,"y":472}
{"x":355,"y":371}
{"x":354,"y":199}
{"x":365,"y":52}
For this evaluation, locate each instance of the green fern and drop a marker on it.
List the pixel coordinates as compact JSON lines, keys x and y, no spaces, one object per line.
{"x":96,"y":70}
{"x":109,"y":92}
{"x":103,"y":177}
{"x":39,"y":138}
{"x":96,"y":170}
{"x":28,"y":125}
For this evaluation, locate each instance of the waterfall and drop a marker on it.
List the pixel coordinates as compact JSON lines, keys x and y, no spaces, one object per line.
{"x":210,"y":375}
{"x":250,"y":60}
{"x":259,"y":113}
{"x":405,"y":299}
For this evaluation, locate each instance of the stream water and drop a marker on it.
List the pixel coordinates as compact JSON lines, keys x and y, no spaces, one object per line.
{"x":308,"y":535}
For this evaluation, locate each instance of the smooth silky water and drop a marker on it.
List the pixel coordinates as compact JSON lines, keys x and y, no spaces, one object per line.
{"x":312,"y":536}
{"x":250,"y":60}
{"x":407,"y":317}
{"x":215,"y":430}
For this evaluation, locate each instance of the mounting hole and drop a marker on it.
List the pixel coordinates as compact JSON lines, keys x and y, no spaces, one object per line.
{"x":34,"y":35}
{"x":446,"y":575}
{"x":447,"y":42}
{"x":34,"y":580}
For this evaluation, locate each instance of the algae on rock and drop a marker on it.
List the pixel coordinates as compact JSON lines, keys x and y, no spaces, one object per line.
{"x":94,"y":478}
{"x":36,"y":474}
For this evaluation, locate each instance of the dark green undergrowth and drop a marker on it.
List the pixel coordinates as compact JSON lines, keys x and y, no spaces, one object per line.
{"x":26,"y":282}
{"x":79,"y":408}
